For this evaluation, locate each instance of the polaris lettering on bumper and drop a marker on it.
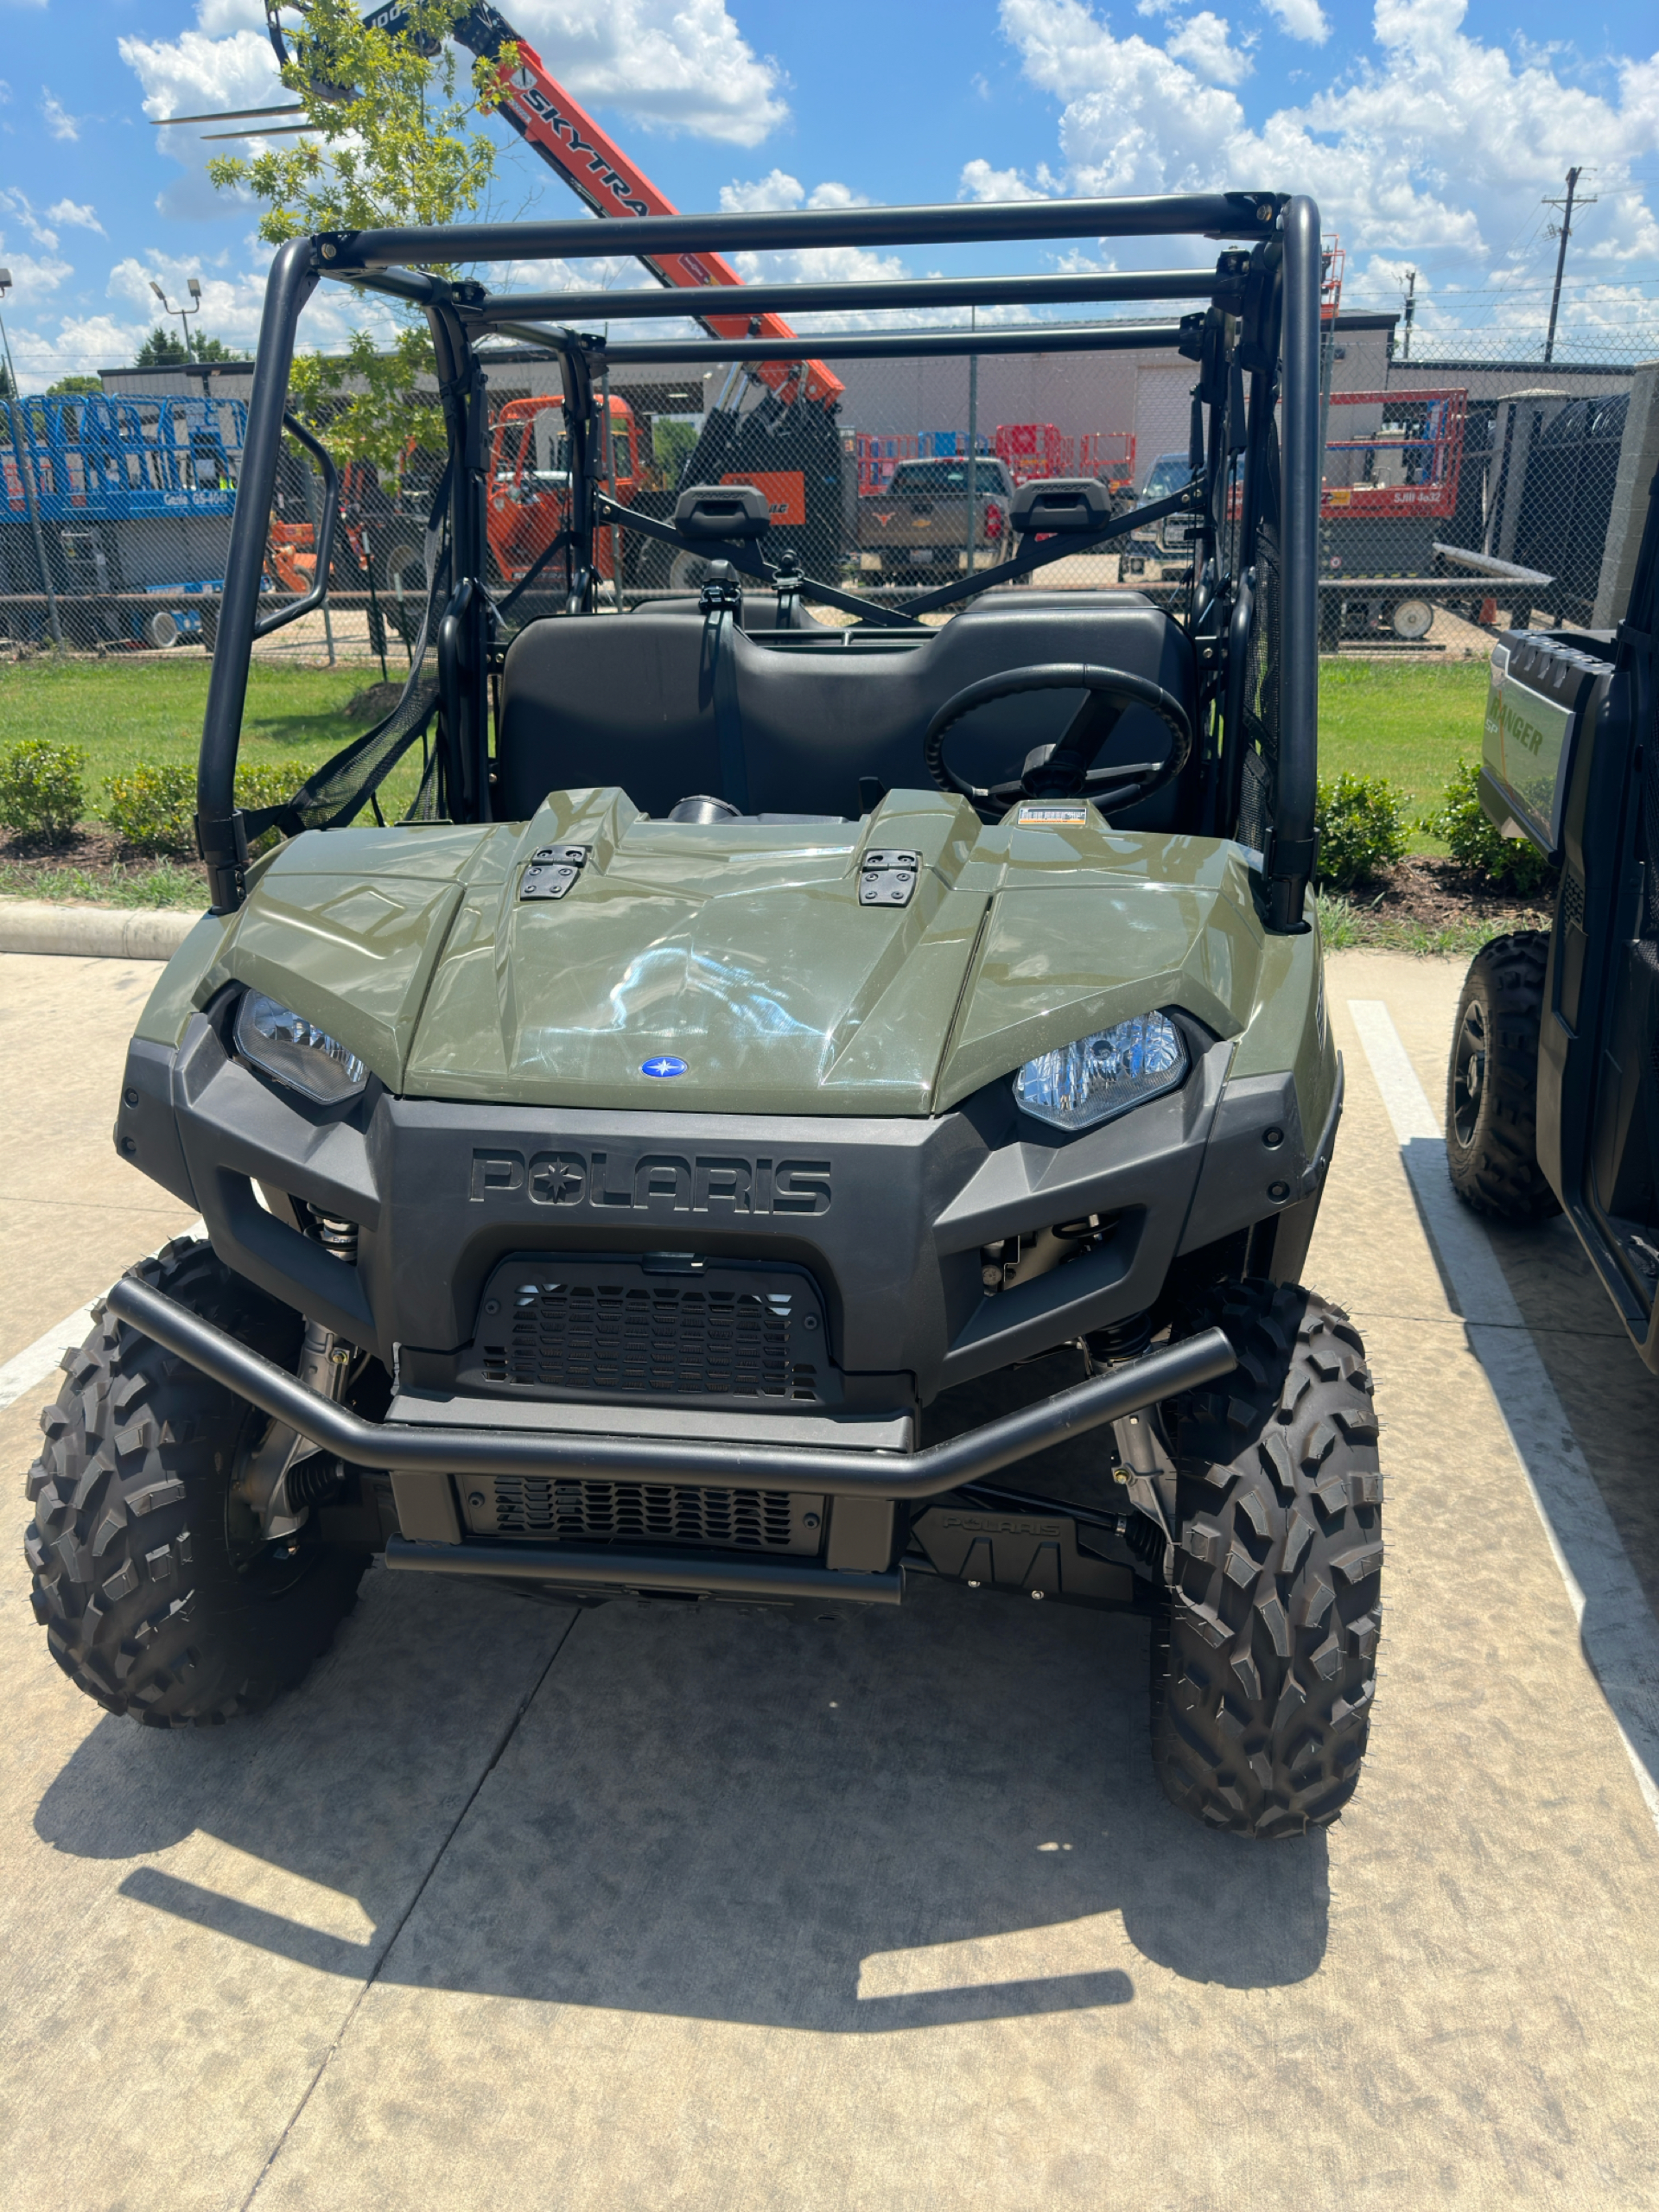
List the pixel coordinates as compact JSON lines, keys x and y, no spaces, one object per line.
{"x":644,"y":1182}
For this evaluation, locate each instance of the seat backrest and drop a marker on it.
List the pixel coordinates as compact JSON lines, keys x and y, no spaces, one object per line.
{"x":592,"y":700}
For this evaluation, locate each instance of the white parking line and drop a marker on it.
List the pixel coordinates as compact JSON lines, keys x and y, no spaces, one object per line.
{"x":28,"y":1370}
{"x":1620,"y":1637}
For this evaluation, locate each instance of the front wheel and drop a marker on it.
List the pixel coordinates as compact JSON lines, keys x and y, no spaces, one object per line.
{"x":1264,"y":1661}
{"x":1492,"y":1084}
{"x":157,"y":1592}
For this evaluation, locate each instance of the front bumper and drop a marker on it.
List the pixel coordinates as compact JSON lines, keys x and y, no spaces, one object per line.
{"x":887,"y":1217}
{"x":428,"y":1462}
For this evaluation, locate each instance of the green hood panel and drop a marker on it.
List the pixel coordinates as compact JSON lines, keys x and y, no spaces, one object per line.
{"x":346,"y":926}
{"x":742,"y":950}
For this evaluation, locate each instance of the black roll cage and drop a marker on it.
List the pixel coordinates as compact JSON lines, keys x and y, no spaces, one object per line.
{"x":1256,"y":345}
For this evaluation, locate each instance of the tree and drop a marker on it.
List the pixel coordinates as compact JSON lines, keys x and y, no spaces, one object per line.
{"x":75,"y":384}
{"x":161,"y":350}
{"x":7,"y":390}
{"x":394,"y":144}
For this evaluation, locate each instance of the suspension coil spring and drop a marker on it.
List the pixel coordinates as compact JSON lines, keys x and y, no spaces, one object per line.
{"x":337,"y":1236}
{"x":1118,"y":1340}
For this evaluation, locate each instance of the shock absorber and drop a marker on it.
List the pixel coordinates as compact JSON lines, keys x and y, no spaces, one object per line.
{"x":1142,"y":1467}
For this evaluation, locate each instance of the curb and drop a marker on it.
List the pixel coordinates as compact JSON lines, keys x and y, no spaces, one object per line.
{"x":93,"y":932}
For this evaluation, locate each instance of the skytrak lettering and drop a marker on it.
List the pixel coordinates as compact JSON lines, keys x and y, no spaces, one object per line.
{"x":654,"y":1181}
{"x":530,"y":97}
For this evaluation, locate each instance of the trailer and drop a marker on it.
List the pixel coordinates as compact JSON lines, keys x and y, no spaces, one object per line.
{"x":1393,"y":468}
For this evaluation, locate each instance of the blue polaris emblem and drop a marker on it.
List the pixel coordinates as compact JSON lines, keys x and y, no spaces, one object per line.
{"x":663,"y":1066}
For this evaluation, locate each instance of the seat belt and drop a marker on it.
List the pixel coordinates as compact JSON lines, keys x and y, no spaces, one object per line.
{"x":718,"y":601}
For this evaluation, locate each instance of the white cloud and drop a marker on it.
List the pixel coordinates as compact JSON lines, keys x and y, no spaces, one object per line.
{"x":1433,"y":146}
{"x":195,"y":75}
{"x":79,"y":217}
{"x":979,"y":181}
{"x":1303,"y":19}
{"x":220,"y":17}
{"x":1203,"y":42}
{"x":776,"y":189}
{"x":668,"y":65}
{"x":59,"y":121}
{"x":20,"y":208}
{"x":32,"y":273}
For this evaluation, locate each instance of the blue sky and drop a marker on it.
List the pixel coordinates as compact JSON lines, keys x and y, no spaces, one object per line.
{"x":1429,"y":132}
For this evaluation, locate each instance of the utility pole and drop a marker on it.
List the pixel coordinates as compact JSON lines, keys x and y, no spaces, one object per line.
{"x":1411,"y":310}
{"x":1563,"y":231}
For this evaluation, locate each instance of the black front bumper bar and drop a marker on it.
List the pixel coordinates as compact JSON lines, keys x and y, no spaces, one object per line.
{"x":719,"y":1463}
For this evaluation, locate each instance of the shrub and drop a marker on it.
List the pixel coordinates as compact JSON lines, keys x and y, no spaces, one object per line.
{"x":1514,"y":863}
{"x":40,"y":790}
{"x":271,"y":783}
{"x":154,"y":809}
{"x":1361,"y":828}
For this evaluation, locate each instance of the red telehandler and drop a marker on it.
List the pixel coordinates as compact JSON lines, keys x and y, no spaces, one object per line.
{"x":787,"y":441}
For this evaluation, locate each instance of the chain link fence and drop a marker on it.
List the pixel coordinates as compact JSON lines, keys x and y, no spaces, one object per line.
{"x":1462,"y":494}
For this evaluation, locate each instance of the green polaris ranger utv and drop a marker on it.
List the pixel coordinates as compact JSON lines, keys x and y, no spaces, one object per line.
{"x":1553,"y":1086}
{"x":813,"y":1098}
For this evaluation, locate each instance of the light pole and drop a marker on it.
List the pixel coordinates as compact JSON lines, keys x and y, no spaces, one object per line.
{"x":183,"y":314}
{"x":26,"y":475}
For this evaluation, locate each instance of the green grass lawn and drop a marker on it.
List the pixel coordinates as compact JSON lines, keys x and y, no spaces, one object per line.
{"x":151,"y":711}
{"x":1408,"y":723}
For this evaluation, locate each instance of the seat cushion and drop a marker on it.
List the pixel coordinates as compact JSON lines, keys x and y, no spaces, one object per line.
{"x":592,"y":700}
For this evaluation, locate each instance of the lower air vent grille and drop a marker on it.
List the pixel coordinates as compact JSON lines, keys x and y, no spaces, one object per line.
{"x":659,"y":1513}
{"x":625,"y":1329}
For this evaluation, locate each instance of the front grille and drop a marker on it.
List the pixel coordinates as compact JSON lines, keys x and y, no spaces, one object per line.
{"x":661,"y":1513}
{"x":624,"y":1329}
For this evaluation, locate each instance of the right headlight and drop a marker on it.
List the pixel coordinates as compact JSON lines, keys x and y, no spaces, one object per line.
{"x":1076,"y":1086}
{"x":286,"y":1045}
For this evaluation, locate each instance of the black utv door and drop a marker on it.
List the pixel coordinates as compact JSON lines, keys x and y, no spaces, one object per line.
{"x":1599,"y":1087}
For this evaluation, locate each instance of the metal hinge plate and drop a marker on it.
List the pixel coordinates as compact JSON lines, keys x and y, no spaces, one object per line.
{"x":887,"y":878}
{"x":552,"y":870}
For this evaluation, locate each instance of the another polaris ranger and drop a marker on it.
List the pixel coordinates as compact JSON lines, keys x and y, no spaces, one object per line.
{"x":793,"y":1110}
{"x":1553,"y":1089}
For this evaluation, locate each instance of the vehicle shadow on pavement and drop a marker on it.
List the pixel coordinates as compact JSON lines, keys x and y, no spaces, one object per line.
{"x":859,"y":1822}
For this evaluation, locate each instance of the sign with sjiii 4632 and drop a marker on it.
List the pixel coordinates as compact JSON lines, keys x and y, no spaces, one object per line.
{"x":652,"y":1182}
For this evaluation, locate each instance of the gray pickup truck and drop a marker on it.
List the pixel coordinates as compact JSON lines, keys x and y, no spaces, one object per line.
{"x":920,"y":521}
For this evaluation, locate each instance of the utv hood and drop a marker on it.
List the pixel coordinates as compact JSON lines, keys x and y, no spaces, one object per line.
{"x":738,"y":957}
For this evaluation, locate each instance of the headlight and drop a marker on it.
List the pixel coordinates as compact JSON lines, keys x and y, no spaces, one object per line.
{"x":296,"y":1052}
{"x":1089,"y":1082}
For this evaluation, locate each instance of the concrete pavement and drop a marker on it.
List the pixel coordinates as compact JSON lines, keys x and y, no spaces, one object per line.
{"x":643,"y":1906}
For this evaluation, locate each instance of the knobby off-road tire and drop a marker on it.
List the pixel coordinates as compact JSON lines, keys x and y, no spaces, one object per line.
{"x":1264,"y":1660}
{"x":157,"y":1597}
{"x":1492,"y":1084}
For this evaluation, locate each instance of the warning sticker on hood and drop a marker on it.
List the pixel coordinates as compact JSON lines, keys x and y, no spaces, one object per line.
{"x":1055,"y":814}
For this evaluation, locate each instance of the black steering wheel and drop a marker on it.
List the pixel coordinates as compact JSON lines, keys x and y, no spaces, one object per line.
{"x":1065,"y":769}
